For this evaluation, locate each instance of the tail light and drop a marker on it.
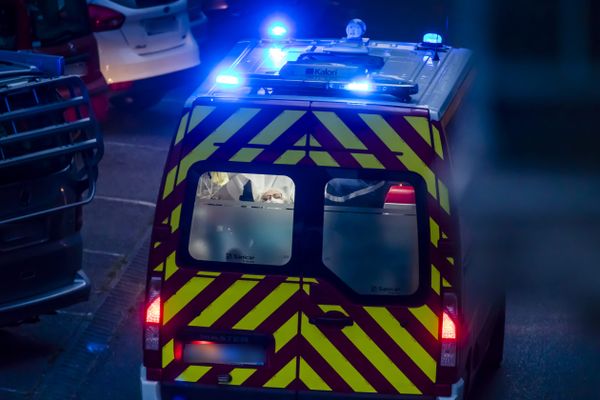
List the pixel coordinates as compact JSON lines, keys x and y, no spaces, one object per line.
{"x":449,"y":331}
{"x":153,"y":316}
{"x":121,"y":86}
{"x":104,"y":19}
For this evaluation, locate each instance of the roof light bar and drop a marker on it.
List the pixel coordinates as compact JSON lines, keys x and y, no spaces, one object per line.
{"x":432,"y":38}
{"x":359,"y":87}
{"x":229,"y":79}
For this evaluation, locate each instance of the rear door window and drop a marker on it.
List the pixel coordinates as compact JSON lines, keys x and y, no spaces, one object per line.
{"x":57,"y":21}
{"x":370,"y":236}
{"x":243,"y":218}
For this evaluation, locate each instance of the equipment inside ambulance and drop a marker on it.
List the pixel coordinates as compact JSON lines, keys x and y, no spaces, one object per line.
{"x":306,"y":241}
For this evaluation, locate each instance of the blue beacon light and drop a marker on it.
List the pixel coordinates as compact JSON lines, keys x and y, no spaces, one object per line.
{"x":228,"y":79}
{"x":278,"y":30}
{"x":432,"y":38}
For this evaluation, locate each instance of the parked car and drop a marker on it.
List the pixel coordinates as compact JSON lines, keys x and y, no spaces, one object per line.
{"x":145,"y":46}
{"x":59,"y":28}
{"x":50,"y":146}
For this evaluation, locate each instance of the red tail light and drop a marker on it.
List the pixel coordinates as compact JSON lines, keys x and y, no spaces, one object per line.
{"x":153,"y":312}
{"x":448,"y":328}
{"x":104,"y":19}
{"x":449,"y":331}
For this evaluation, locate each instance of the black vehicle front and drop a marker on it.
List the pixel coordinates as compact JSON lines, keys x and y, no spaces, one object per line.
{"x":50,"y":147}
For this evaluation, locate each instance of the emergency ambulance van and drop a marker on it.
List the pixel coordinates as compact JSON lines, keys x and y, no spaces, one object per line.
{"x":306,"y":242}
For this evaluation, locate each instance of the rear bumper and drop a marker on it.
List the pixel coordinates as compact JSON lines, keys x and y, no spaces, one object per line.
{"x":75,"y":292}
{"x":120,"y":63}
{"x":152,"y":390}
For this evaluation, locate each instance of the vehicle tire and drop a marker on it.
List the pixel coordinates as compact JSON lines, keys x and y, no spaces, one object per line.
{"x":495,"y":352}
{"x":137,"y":101}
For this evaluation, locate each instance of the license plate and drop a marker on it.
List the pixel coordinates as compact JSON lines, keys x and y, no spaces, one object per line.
{"x":79,"y":69}
{"x":157,"y":26}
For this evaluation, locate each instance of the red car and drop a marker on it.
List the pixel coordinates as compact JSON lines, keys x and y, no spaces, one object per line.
{"x":58,"y":27}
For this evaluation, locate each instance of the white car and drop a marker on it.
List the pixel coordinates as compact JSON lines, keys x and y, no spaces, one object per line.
{"x":145,"y":47}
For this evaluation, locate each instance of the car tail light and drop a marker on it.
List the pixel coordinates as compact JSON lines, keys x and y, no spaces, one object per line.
{"x":153,"y":315}
{"x":104,"y":19}
{"x":121,"y":86}
{"x":449,"y":331}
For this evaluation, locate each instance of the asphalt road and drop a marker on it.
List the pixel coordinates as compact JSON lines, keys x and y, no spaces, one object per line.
{"x":547,"y":354}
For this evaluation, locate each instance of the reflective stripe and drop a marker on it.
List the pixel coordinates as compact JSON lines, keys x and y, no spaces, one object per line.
{"x":240,"y":375}
{"x":193,"y":373}
{"x":368,"y":161}
{"x":421,"y":125}
{"x":284,"y":377}
{"x":286,"y":332}
{"x":182,"y":125}
{"x":404,"y":340}
{"x":277,"y":127}
{"x":444,"y":197}
{"x":175,"y":217}
{"x":334,"y":358}
{"x":427,"y":318}
{"x":396,"y":144}
{"x":310,"y":378}
{"x":314,"y":142}
{"x":168,"y":353}
{"x":253,"y":276}
{"x":169,"y":182}
{"x":435,"y":279}
{"x":437,"y":142}
{"x":220,"y":135}
{"x":170,"y":265}
{"x":184,"y":295}
{"x":246,"y":155}
{"x":223,"y":303}
{"x":198,"y":115}
{"x":434,"y":230}
{"x":339,"y":130}
{"x":380,"y":360}
{"x":267,"y":306}
{"x":160,"y":268}
{"x":323,"y":159}
{"x":291,"y":157}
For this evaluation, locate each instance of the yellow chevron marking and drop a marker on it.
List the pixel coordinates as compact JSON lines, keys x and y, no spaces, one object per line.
{"x":284,"y":377}
{"x":156,"y":244}
{"x":267,"y":306}
{"x":223,"y":303}
{"x":252,"y":276}
{"x":310,"y":378}
{"x":434,"y":229}
{"x":175,"y":217}
{"x":445,"y":283}
{"x":427,"y":318}
{"x":380,"y":360}
{"x":277,"y":127}
{"x":246,"y":155}
{"x":160,"y":268}
{"x":301,"y":142}
{"x":435,"y":279}
{"x":395,"y":143}
{"x":198,"y":115}
{"x":368,"y":161}
{"x":334,"y":358}
{"x":170,"y":182}
{"x":166,"y":221}
{"x":183,"y":296}
{"x":168,"y":353}
{"x":404,"y":340}
{"x":286,"y":332}
{"x":208,"y":273}
{"x":314,"y":142}
{"x":340,"y":130}
{"x":240,"y":375}
{"x":437,"y":142}
{"x":291,"y":157}
{"x":450,"y":260}
{"x":323,"y":159}
{"x":181,"y":130}
{"x":220,"y":135}
{"x":170,"y":265}
{"x":421,"y":125}
{"x":193,"y":373}
{"x":444,"y":197}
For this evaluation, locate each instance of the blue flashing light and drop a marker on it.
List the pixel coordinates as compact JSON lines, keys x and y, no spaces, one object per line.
{"x":278,"y":30}
{"x":359,"y":86}
{"x":432,"y":38}
{"x":276,"y":58}
{"x":229,"y":79}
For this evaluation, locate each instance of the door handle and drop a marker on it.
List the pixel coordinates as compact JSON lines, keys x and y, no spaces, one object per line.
{"x":332,"y":319}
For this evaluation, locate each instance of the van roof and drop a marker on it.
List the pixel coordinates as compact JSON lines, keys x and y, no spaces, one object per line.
{"x":340,"y":70}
